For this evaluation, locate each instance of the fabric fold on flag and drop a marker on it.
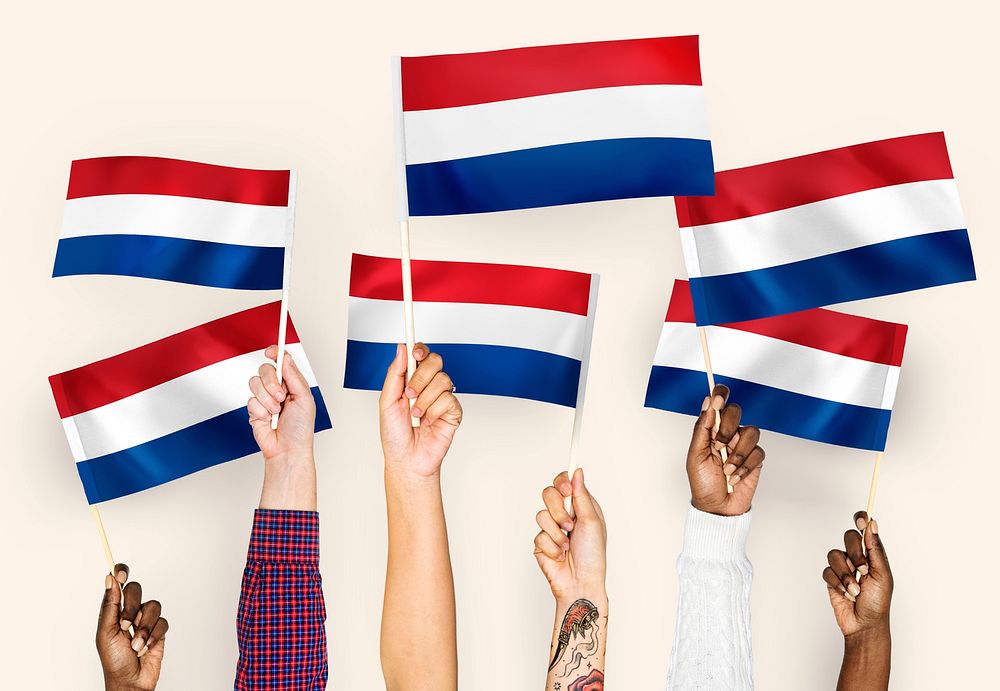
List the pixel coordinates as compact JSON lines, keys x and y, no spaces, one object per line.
{"x":818,"y":374}
{"x":551,"y":125}
{"x":841,"y":225}
{"x":172,"y":407}
{"x":502,"y":330}
{"x":176,"y":221}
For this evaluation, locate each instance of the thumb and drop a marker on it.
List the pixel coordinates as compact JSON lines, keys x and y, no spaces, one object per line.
{"x":878,"y":563}
{"x":583,"y":503}
{"x":395,"y":379}
{"x":108,"y":620}
{"x":294,"y":379}
{"x":701,"y":437}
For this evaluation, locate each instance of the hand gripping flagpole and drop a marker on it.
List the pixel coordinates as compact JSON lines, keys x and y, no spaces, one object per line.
{"x":581,"y":392}
{"x":724,"y":452}
{"x":404,"y":224}
{"x":286,"y":279}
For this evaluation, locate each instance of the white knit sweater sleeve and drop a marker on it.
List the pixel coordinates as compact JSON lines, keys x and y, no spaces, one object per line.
{"x":712,"y":639}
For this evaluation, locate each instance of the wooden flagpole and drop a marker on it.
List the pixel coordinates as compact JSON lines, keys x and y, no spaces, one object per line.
{"x":404,"y":222}
{"x":104,"y":538}
{"x":581,"y":392}
{"x":286,"y":279}
{"x":874,"y":485}
{"x":724,"y":452}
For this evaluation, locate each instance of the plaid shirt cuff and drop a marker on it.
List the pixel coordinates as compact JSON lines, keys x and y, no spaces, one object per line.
{"x":284,"y":536}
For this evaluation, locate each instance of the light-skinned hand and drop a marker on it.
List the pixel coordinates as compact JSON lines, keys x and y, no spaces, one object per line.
{"x":293,"y":399}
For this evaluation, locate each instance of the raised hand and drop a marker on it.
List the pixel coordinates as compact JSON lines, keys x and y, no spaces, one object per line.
{"x":859,"y":583}
{"x":293,"y":399}
{"x":419,"y":450}
{"x":707,"y":474}
{"x":130,"y":635}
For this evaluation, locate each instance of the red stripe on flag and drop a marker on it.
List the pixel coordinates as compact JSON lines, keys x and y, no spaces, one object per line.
{"x":835,"y":332}
{"x":447,"y":81}
{"x":801,"y":180}
{"x":380,"y":278}
{"x":92,"y":177}
{"x":106,"y":381}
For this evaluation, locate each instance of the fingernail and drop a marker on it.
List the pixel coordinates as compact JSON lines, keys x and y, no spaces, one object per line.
{"x":280,"y":395}
{"x":565,"y":546}
{"x":863,"y":569}
{"x":108,"y":582}
{"x":853,"y":589}
{"x":729,"y":469}
{"x":137,"y":643}
{"x":733,"y":479}
{"x":850,"y":597}
{"x":717,"y":402}
{"x":567,"y":526}
{"x":410,"y":392}
{"x":860,"y":523}
{"x":566,"y":488}
{"x":416,"y":412}
{"x":874,"y":526}
{"x":706,"y":403}
{"x":850,"y":566}
{"x":562,"y":557}
{"x":126,"y":624}
{"x":145,"y":649}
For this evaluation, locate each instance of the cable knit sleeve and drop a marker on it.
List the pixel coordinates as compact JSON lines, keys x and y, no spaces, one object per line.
{"x":712,"y":639}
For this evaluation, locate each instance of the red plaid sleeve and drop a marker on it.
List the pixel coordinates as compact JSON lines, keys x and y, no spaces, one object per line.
{"x":280,"y":626}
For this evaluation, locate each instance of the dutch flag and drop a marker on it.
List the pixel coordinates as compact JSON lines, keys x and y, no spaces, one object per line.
{"x":172,"y":407}
{"x":503,"y":330}
{"x":177,"y":221}
{"x":818,"y":374}
{"x":550,"y":125}
{"x":841,"y":225}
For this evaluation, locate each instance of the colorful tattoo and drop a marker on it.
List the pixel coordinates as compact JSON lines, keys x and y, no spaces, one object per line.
{"x":592,"y":682}
{"x":580,"y":617}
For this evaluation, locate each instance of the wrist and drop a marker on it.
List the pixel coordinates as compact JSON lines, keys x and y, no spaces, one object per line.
{"x":597,"y":594}
{"x":289,"y":482}
{"x":871,"y":638}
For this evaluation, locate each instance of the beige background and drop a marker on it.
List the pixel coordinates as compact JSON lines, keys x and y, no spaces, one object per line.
{"x":307,"y":85}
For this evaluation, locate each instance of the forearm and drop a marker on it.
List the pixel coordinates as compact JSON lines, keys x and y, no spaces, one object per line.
{"x":867,"y":658}
{"x":289,"y":483}
{"x":579,"y":641}
{"x":712,"y":636}
{"x":418,"y":645}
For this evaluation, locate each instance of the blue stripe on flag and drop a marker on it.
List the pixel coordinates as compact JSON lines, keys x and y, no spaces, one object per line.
{"x":172,"y":259}
{"x":885,"y":268}
{"x":484,"y":369}
{"x":223,"y":438}
{"x":562,"y":174}
{"x":683,"y":390}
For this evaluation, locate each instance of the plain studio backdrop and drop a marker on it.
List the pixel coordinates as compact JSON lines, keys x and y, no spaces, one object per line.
{"x":307,"y":86}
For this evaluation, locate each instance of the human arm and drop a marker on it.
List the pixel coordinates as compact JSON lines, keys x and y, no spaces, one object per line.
{"x":712,"y":638}
{"x":859,"y":583}
{"x":418,"y":641}
{"x":280,"y":622}
{"x":130,"y":635}
{"x":574,"y":563}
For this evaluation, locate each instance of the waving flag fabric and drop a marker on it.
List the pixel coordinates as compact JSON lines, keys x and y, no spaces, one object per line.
{"x":549,"y":125}
{"x":817,"y":374}
{"x":504,"y":330}
{"x":176,"y":221}
{"x":841,"y":225}
{"x":172,"y":407}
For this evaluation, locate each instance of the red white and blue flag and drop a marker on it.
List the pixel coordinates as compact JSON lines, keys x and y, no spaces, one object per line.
{"x":172,"y":407}
{"x":176,"y":221}
{"x":503,"y":330}
{"x":841,"y":225}
{"x":817,"y":374}
{"x":551,"y":125}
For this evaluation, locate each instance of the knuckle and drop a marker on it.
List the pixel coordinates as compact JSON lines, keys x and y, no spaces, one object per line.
{"x":540,"y":516}
{"x":832,"y":555}
{"x":434,"y":359}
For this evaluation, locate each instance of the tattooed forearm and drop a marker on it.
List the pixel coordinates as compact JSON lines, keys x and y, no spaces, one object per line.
{"x":577,"y":662}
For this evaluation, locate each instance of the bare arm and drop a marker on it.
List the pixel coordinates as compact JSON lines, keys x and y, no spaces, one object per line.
{"x":418,"y":645}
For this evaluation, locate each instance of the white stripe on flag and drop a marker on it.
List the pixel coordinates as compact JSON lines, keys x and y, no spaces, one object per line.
{"x":174,"y":405}
{"x":551,"y":331}
{"x":657,"y":110}
{"x":779,"y":364}
{"x":820,"y":228}
{"x":186,"y":218}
